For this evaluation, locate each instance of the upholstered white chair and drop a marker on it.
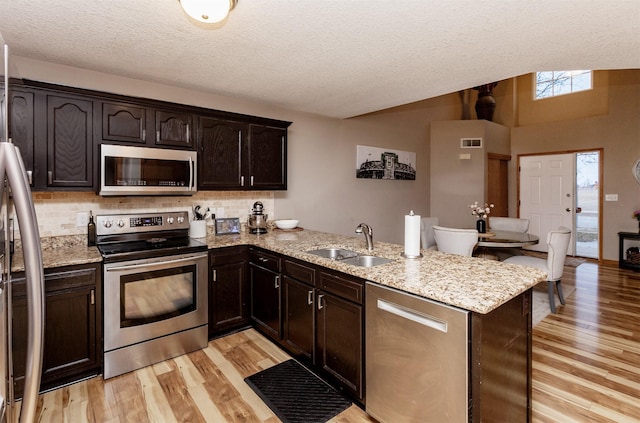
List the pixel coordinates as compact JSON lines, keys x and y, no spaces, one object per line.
{"x":455,"y":241}
{"x":508,"y":224}
{"x":558,"y":243}
{"x":426,"y":232}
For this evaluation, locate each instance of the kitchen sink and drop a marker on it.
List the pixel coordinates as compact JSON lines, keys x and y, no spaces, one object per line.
{"x":366,"y":261}
{"x":333,"y":253}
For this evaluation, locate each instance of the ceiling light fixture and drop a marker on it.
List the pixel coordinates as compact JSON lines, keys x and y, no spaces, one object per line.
{"x":208,"y":11}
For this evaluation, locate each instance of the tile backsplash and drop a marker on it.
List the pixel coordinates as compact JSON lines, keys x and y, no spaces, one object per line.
{"x":57,"y":211}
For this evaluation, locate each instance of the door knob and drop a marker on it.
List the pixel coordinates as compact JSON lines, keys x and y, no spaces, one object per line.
{"x":567,"y":209}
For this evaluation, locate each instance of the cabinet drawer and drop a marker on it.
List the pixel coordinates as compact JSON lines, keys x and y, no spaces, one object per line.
{"x":264,"y":259}
{"x":227,"y":255}
{"x":299,"y":271}
{"x":60,"y":279}
{"x":343,"y":286}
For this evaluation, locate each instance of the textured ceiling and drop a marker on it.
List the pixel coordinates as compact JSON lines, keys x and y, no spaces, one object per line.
{"x":334,"y":58}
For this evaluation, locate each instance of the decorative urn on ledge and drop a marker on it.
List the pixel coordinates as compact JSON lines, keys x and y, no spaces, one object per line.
{"x":486,"y":104}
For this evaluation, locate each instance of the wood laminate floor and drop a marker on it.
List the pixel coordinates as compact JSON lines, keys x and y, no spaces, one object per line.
{"x":586,"y":368}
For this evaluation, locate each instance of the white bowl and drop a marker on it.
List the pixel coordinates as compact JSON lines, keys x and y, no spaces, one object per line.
{"x":286,"y":223}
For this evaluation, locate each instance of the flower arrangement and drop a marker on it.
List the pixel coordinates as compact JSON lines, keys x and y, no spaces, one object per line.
{"x":481,"y":212}
{"x":636,"y":215}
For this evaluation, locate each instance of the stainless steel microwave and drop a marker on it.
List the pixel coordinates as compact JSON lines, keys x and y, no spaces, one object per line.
{"x":128,"y":170}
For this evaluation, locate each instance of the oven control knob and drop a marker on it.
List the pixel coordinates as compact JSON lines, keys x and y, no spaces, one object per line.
{"x":108,"y":223}
{"x":180,"y":219}
{"x":170,"y":220}
{"x":120,"y":223}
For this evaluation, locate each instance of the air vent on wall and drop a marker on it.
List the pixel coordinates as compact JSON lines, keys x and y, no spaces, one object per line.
{"x":470,"y":142}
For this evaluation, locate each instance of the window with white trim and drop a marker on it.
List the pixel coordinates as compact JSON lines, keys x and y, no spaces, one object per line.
{"x":554,"y":83}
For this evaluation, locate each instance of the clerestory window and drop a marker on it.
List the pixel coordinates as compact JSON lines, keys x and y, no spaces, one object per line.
{"x":554,"y":83}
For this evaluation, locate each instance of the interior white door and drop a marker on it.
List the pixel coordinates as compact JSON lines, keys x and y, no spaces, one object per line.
{"x":547,"y":195}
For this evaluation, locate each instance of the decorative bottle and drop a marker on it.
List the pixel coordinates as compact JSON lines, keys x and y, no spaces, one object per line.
{"x":91,"y":231}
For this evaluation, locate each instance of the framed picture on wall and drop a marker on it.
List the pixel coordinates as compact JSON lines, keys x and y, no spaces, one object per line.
{"x":385,"y":163}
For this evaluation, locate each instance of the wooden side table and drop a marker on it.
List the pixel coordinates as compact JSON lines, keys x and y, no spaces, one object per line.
{"x":628,"y":256}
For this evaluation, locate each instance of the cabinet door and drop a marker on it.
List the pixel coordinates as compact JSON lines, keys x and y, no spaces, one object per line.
{"x":267,"y":158}
{"x":298,"y":305}
{"x":21,"y":127}
{"x":123,"y":123}
{"x":174,"y":129}
{"x":228,"y":302}
{"x":339,"y":340}
{"x":72,"y":336}
{"x":220,"y":158}
{"x":69,"y":142}
{"x":265,"y":300}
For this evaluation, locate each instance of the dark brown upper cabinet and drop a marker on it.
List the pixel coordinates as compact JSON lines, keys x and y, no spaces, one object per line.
{"x":69,"y":137}
{"x":241,"y":156}
{"x":220,"y":159}
{"x":59,"y":130}
{"x":21,"y":127}
{"x":125,"y":123}
{"x":267,"y":157}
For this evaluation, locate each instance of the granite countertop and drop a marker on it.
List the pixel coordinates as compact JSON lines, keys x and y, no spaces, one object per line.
{"x":470,"y":283}
{"x":60,"y":251}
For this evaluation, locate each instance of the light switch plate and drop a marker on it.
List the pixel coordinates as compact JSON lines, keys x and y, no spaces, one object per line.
{"x":82,"y":219}
{"x":611,"y":197}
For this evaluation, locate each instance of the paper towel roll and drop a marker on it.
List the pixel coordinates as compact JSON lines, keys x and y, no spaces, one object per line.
{"x":412,"y":235}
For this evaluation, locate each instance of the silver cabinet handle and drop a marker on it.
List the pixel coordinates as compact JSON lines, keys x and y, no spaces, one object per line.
{"x":30,"y":176}
{"x":277,"y":282}
{"x":188,"y":134}
{"x":50,"y":177}
{"x":157,"y":136}
{"x":310,"y":297}
{"x":242,"y":181}
{"x":215,"y":275}
{"x":251,"y":180}
{"x":262,"y":259}
{"x":320,"y":306}
{"x":144,"y":135}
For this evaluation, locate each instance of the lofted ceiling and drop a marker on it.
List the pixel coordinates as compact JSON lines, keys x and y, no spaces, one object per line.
{"x":337,"y":58}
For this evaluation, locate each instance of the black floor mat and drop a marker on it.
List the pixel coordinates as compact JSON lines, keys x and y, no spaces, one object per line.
{"x":296,"y":395}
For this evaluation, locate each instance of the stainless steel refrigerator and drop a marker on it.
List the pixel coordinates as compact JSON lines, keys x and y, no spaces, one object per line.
{"x":15,"y":198}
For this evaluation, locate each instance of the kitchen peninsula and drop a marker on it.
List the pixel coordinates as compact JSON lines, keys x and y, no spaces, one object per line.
{"x":496,"y":295}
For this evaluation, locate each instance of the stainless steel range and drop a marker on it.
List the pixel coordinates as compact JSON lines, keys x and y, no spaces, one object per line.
{"x":155,"y":289}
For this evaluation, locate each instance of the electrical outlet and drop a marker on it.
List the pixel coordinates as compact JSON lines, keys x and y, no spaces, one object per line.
{"x":611,"y":197}
{"x":82,"y":219}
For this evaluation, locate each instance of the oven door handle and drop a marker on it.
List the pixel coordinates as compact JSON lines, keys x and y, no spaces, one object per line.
{"x":143,"y":265}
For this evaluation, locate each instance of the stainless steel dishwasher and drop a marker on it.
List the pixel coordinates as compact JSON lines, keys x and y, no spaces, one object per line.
{"x":416,"y":358}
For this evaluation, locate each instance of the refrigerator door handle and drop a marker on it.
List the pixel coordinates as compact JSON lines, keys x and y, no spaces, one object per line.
{"x":12,"y":163}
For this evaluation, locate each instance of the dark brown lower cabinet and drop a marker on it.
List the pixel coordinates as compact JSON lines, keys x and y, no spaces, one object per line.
{"x":299,"y":318}
{"x":228,"y":289}
{"x":73,"y":321}
{"x":264,"y":276}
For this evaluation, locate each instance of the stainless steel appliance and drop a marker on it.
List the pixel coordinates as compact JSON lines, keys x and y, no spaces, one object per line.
{"x":155,"y":289}
{"x":14,"y":179}
{"x":126,"y":170}
{"x":417,"y":358}
{"x":257,"y":220}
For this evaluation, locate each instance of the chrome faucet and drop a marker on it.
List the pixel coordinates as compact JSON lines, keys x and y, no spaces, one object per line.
{"x":365,"y":229}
